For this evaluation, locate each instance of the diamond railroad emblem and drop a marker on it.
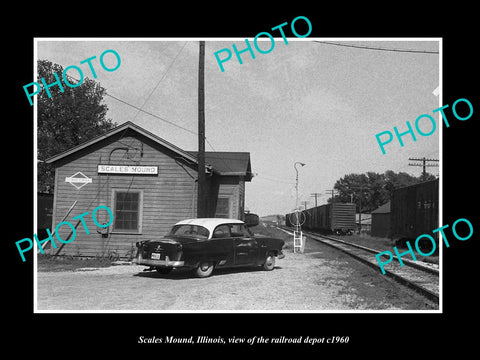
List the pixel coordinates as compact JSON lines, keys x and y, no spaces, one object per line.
{"x":78,"y":180}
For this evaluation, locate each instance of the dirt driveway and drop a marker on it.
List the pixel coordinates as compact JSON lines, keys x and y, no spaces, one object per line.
{"x":320,"y":279}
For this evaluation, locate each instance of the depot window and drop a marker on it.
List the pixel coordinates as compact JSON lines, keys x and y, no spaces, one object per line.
{"x":223,"y":209}
{"x":128,"y":206}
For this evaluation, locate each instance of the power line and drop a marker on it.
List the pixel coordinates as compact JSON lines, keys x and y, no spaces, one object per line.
{"x":424,"y":165}
{"x":379,"y":48}
{"x":169,"y":122}
{"x":149,"y":113}
{"x":332,"y":191}
{"x":158,"y":83}
{"x":140,"y":109}
{"x":315,"y":195}
{"x":156,"y":116}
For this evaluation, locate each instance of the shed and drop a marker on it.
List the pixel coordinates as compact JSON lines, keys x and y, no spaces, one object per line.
{"x":147,"y":182}
{"x":363,"y":222}
{"x":381,"y":221}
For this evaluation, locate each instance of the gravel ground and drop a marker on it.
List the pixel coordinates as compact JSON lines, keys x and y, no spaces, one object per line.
{"x":320,"y":279}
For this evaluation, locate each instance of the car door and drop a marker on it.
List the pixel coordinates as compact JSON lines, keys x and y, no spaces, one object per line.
{"x":222,"y":246}
{"x":245,"y":246}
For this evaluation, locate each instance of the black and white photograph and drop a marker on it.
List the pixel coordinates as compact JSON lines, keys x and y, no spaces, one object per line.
{"x":185,"y":184}
{"x":297,"y":195}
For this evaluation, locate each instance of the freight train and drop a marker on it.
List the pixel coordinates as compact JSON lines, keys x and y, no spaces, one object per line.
{"x":414,"y":211}
{"x":337,"y":218}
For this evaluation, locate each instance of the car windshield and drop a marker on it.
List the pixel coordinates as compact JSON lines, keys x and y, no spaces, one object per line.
{"x":189,"y":230}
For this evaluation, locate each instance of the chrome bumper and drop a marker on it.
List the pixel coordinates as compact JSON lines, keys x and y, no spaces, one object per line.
{"x":165,"y":263}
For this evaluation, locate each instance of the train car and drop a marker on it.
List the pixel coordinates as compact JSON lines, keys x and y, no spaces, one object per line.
{"x":414,"y":211}
{"x":337,"y":218}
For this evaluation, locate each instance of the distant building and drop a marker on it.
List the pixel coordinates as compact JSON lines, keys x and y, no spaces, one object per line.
{"x":366,"y":222}
{"x":381,"y":221}
{"x":147,"y":182}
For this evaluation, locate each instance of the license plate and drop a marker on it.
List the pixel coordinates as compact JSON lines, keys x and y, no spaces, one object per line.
{"x":155,"y":256}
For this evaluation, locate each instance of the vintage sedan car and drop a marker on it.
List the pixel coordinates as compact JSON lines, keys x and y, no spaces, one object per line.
{"x":207,"y":243}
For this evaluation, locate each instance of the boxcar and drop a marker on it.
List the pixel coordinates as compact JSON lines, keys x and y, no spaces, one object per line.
{"x":414,"y":211}
{"x":329,"y":218}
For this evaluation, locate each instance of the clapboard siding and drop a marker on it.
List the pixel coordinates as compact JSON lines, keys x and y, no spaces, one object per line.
{"x":167,"y":197}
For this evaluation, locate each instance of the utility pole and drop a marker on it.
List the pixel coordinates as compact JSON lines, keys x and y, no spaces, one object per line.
{"x":333,"y":194}
{"x":360,"y":211}
{"x":424,"y":165}
{"x":201,"y":198}
{"x":315,"y":195}
{"x":360,"y":189}
{"x":305,"y":202}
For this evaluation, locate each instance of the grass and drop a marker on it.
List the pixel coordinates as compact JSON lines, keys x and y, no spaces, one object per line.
{"x":69,"y":263}
{"x":385,"y":244}
{"x":372,"y":242}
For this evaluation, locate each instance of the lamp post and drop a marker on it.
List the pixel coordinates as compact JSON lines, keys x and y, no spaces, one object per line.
{"x":296,"y":182}
{"x":298,"y":243}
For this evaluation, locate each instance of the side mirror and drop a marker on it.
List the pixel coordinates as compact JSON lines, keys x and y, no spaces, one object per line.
{"x":251,"y":220}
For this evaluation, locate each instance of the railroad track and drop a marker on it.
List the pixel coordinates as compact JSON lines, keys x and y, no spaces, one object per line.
{"x":423,"y":279}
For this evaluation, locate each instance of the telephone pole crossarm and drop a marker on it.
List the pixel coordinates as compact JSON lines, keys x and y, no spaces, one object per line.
{"x":424,"y":164}
{"x":315,"y":195}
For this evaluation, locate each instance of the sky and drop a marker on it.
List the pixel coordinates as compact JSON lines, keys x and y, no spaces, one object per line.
{"x":306,"y":101}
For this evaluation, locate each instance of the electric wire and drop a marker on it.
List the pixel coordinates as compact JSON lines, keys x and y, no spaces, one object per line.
{"x":171,"y":123}
{"x":139,"y":109}
{"x":158,"y":83}
{"x":142,"y":110}
{"x":378,"y":48}
{"x":151,"y":114}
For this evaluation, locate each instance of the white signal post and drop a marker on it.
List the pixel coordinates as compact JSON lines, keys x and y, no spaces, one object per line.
{"x":298,"y":239}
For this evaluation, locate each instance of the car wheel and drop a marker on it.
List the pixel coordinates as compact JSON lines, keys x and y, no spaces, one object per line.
{"x":269,"y":263}
{"x":163,"y":270}
{"x":204,"y":269}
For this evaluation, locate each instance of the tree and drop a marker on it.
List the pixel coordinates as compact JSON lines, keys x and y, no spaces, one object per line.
{"x":67,"y":119}
{"x":368,"y":187}
{"x":393,"y":180}
{"x":372,"y":189}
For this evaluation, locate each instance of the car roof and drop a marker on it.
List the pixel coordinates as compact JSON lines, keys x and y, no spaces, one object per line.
{"x":209,"y":223}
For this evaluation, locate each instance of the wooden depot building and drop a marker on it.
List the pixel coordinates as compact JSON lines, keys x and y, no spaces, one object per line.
{"x":147,"y":182}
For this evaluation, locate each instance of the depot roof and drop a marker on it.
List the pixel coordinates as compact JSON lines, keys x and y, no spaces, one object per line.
{"x":229,"y":163}
{"x":222,"y":163}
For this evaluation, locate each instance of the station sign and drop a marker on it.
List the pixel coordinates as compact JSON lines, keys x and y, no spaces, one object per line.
{"x":128,"y":169}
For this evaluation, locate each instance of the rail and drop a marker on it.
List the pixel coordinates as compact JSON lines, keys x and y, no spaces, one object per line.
{"x":421,"y":278}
